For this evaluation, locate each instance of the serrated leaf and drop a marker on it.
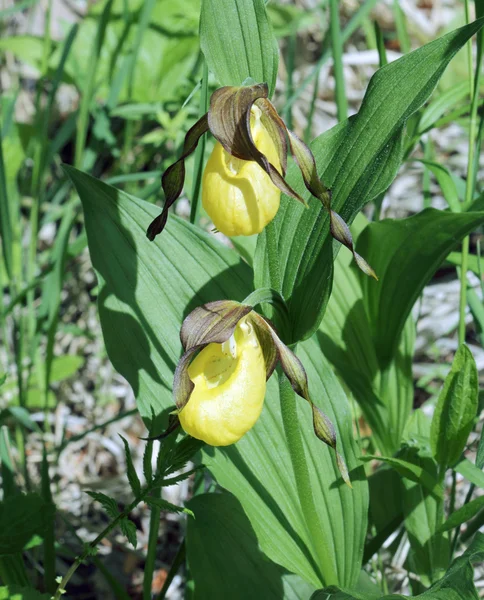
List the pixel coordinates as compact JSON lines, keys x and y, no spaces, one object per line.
{"x":109,"y":504}
{"x":133,"y":478}
{"x":129,"y":530}
{"x":456,"y":409}
{"x":237,"y":41}
{"x":147,"y":457}
{"x":178,"y":478}
{"x":168,"y":506}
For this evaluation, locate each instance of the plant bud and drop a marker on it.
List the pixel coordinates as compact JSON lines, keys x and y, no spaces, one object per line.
{"x":230,"y":385}
{"x":238,"y":195}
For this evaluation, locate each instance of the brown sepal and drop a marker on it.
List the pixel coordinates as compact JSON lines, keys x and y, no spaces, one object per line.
{"x":296,"y":374}
{"x":174,"y":177}
{"x":269,"y":350}
{"x":182,"y":384}
{"x":211,"y":323}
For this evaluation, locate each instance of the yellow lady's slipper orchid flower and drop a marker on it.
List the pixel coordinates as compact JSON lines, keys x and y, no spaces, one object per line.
{"x":246,"y":172}
{"x":239,"y":195}
{"x":230,"y":385}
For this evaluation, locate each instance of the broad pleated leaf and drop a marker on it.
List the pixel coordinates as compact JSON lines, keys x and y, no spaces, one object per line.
{"x":358,"y":160}
{"x":258,"y":470}
{"x":405,"y":253}
{"x":21,"y":517}
{"x":225,"y":560}
{"x":146,"y":290}
{"x":237,"y":41}
{"x":345,"y":336}
{"x":457,"y":583}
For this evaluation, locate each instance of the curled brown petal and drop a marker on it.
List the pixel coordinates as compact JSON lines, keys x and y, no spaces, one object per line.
{"x":182,"y":384}
{"x":213,"y":322}
{"x":174,"y":177}
{"x":295,"y":372}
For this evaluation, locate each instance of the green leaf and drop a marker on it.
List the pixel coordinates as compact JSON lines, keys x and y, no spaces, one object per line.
{"x":16,"y":592}
{"x":21,"y":517}
{"x":407,"y":250}
{"x":471,"y":472}
{"x":456,"y":409}
{"x":442,"y":103}
{"x":237,"y":41}
{"x":447,"y":184}
{"x":411,"y":471}
{"x":133,"y":478}
{"x":170,"y":42}
{"x":109,"y":504}
{"x":385,"y":397}
{"x":385,"y":507}
{"x":456,"y":584}
{"x":358,"y":160}
{"x":258,"y":470}
{"x":424,"y":510}
{"x":146,"y":289}
{"x":167,"y":506}
{"x":464,"y":514}
{"x":144,"y":297}
{"x":129,"y":530}
{"x":224,"y":557}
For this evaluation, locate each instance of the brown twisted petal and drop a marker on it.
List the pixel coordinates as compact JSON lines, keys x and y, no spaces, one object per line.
{"x":182,"y":384}
{"x":174,"y":177}
{"x":307,"y":165}
{"x":266,"y":342}
{"x":211,"y":323}
{"x":295,"y":372}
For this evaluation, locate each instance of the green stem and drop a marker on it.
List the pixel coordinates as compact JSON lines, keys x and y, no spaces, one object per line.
{"x":401,"y":25}
{"x":162,"y":462}
{"x":317,"y":536}
{"x":177,"y":563}
{"x":463,"y":290}
{"x":355,"y":21}
{"x":200,"y":151}
{"x":474,"y":94}
{"x":163,"y":458}
{"x":312,"y":108}
{"x":152,"y":544}
{"x":90,"y":548}
{"x":291,"y":54}
{"x":337,"y":50}
{"x":88,"y":91}
{"x":380,"y":45}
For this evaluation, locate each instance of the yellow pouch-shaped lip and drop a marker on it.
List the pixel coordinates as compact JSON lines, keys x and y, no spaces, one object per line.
{"x":230,"y":385}
{"x":237,"y":194}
